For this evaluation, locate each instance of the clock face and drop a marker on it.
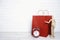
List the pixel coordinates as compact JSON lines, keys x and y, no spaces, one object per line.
{"x":36,"y":33}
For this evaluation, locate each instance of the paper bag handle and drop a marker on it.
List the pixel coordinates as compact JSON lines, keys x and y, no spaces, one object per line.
{"x":43,"y":11}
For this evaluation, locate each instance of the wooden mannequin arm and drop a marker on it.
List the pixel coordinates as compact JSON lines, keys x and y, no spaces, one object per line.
{"x":48,"y":21}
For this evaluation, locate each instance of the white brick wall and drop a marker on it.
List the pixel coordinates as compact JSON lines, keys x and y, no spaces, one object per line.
{"x":16,"y":15}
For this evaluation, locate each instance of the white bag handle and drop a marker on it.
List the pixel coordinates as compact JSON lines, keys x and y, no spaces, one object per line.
{"x":43,"y":11}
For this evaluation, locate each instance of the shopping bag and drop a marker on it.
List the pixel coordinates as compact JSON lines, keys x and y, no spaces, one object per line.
{"x":39,"y":27}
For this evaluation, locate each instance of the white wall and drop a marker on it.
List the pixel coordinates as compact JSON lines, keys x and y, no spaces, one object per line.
{"x":16,"y":15}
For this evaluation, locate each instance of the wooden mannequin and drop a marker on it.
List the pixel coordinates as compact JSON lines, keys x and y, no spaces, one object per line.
{"x":52,"y":26}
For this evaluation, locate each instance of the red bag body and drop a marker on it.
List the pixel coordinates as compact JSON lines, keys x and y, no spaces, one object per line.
{"x":39,"y":22}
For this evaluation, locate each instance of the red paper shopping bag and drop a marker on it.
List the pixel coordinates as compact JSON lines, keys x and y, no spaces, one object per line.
{"x":39,"y":27}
